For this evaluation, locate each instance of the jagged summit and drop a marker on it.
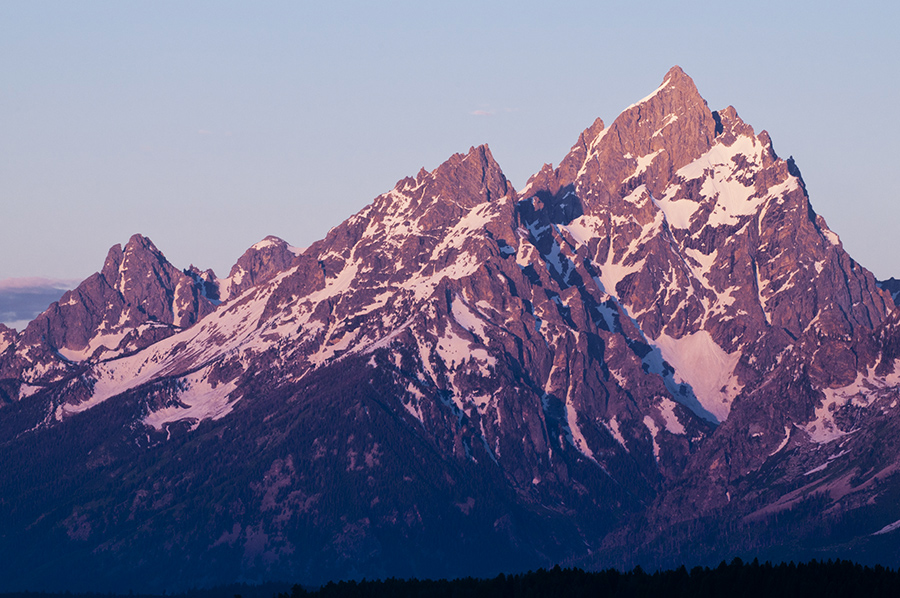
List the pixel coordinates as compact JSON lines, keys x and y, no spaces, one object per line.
{"x":676,"y":77}
{"x":136,"y":299}
{"x":663,"y":132}
{"x":476,"y":172}
{"x":676,"y":92}
{"x":407,"y":222}
{"x":133,"y":271}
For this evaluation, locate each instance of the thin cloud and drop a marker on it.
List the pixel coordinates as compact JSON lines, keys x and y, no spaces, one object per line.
{"x":482,"y":113}
{"x":36,"y":282}
{"x":22,"y":299}
{"x":204,"y":132}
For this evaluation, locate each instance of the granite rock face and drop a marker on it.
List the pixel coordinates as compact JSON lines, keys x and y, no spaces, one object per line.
{"x":655,"y":343}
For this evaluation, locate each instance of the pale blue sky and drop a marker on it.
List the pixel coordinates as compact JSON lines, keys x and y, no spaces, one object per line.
{"x":209,"y":125}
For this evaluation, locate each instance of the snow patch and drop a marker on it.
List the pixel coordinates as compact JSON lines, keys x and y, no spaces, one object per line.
{"x":787,"y":437}
{"x":652,"y":95}
{"x":669,"y":120}
{"x":832,"y":237}
{"x":643,"y":163}
{"x":576,"y":437}
{"x":613,"y":427}
{"x":412,"y":405}
{"x":475,"y":220}
{"x":456,"y":351}
{"x":108,"y":342}
{"x":888,"y":528}
{"x":667,"y":411}
{"x":654,"y":430}
{"x":268,"y":242}
{"x":334,"y":345}
{"x":729,"y":185}
{"x":703,"y":365}
{"x":26,"y":390}
{"x":466,"y":317}
{"x":862,"y":392}
{"x":202,"y":400}
{"x":817,"y":469}
{"x":584,"y":228}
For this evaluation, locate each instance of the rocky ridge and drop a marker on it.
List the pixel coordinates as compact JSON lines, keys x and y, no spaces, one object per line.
{"x":659,"y":334}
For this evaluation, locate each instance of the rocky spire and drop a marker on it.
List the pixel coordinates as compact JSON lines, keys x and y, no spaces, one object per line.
{"x":106,"y":314}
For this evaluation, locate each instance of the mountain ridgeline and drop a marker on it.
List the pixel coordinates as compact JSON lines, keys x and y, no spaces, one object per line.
{"x":655,"y":353}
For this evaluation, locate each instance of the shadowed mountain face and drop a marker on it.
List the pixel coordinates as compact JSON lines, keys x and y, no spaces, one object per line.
{"x":648,"y":355}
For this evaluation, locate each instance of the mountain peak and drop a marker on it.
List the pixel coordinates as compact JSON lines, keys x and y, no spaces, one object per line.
{"x":139,"y":241}
{"x":140,"y":257}
{"x":481,"y":152}
{"x":473,"y":177}
{"x":137,"y":299}
{"x":138,"y":247}
{"x":269,"y":241}
{"x":677,"y":77}
{"x":664,"y":131}
{"x":676,"y":90}
{"x":478,"y":159}
{"x":261,"y":262}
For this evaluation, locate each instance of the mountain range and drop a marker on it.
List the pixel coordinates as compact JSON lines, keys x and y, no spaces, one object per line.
{"x":655,"y":353}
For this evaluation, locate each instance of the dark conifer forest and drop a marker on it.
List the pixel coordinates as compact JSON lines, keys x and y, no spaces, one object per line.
{"x":733,"y":580}
{"x":737,"y":579}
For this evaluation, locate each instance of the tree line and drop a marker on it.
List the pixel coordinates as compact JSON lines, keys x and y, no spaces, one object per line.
{"x":815,"y":579}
